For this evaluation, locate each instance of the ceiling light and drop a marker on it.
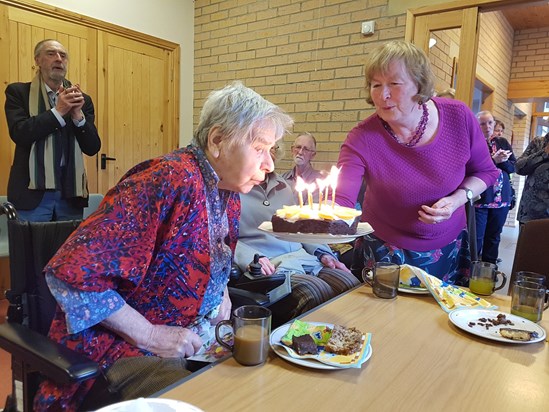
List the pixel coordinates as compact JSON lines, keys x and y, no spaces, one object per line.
{"x":432,"y":42}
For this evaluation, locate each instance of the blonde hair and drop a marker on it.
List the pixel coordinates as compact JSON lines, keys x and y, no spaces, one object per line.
{"x":449,"y":93}
{"x":415,"y":61}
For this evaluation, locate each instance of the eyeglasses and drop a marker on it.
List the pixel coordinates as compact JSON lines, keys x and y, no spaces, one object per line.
{"x":298,"y":148}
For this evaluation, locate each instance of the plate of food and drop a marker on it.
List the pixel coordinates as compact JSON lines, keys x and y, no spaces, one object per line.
{"x":363,"y":228}
{"x":498,"y":326}
{"x":321,"y":345}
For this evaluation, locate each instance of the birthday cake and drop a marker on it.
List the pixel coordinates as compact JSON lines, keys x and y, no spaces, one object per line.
{"x":337,"y":220}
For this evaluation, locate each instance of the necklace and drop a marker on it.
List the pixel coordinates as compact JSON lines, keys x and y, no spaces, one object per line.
{"x":419,"y":132}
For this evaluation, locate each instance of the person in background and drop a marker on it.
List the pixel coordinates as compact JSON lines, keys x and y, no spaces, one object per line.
{"x":316,"y":274}
{"x":303,"y":152}
{"x":142,"y":281}
{"x":493,"y":206}
{"x":423,"y":158}
{"x":499,"y":128}
{"x":51,"y":122}
{"x":534,"y":164}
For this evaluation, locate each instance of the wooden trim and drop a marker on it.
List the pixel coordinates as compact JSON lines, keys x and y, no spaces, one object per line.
{"x":66,"y":15}
{"x":527,"y":90}
{"x":485,"y":5}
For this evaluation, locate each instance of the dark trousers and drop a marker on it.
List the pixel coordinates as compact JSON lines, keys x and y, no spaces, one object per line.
{"x":489,"y":226}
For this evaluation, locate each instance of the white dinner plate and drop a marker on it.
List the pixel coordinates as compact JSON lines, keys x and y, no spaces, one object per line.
{"x":414,"y":291}
{"x":150,"y":404}
{"x":462,"y":317}
{"x":362,"y":229}
{"x":279,"y":332}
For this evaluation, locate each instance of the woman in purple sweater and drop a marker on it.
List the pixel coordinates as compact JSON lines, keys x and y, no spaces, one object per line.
{"x":422,"y":159}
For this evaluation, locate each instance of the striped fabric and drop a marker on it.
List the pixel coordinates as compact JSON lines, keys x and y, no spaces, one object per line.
{"x":46,"y":152}
{"x":309,"y":291}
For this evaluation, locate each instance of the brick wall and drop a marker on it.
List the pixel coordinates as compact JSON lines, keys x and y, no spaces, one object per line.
{"x":306,"y":56}
{"x":531,"y":54}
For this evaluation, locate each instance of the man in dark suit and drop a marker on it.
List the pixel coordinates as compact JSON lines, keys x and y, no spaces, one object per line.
{"x":51,"y":122}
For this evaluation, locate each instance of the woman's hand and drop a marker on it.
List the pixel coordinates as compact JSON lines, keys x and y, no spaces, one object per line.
{"x":172,"y":342}
{"x":443,"y":209}
{"x":267,"y":268}
{"x":162,"y":340}
{"x":331,"y":262}
{"x":501,"y":156}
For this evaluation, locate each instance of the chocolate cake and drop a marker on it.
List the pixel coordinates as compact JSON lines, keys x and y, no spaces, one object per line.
{"x":304,"y":344}
{"x":336,"y":221}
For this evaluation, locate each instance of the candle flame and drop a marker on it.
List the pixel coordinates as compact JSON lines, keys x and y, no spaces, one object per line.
{"x":334,"y":173}
{"x":300,"y":184}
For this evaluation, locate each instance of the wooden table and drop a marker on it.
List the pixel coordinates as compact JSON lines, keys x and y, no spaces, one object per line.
{"x":420,"y":362}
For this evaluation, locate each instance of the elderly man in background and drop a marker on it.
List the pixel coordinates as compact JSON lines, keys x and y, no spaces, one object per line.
{"x":303,"y":152}
{"x":51,"y":123}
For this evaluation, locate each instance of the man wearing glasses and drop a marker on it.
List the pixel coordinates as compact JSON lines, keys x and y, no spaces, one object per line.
{"x":303,"y":152}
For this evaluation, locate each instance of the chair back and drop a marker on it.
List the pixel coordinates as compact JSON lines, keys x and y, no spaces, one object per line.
{"x":532,"y":252}
{"x":93,"y":204}
{"x":3,"y":229}
{"x":31,"y":246}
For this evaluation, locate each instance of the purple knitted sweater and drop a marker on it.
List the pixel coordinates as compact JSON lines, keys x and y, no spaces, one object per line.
{"x":400,"y":179}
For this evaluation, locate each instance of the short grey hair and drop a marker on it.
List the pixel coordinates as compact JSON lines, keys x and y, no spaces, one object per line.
{"x":307,"y":134}
{"x":40,"y":45}
{"x":484,"y":113}
{"x":237,"y":110}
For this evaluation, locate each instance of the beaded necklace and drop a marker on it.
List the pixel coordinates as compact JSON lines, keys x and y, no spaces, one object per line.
{"x":419,"y":132}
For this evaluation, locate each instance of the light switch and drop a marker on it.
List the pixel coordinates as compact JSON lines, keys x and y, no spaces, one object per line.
{"x":368,"y":27}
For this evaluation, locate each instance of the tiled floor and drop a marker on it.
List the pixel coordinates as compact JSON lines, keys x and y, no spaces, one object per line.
{"x":507,"y":248}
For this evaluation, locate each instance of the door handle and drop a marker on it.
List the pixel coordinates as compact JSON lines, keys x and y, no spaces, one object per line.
{"x":104,"y":159}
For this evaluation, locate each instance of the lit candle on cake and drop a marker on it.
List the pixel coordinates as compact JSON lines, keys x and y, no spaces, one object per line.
{"x":310,"y":189}
{"x":321,"y":184}
{"x":300,"y":187}
{"x":334,"y":172}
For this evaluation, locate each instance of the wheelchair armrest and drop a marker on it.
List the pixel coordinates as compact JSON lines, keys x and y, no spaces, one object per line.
{"x":53,"y":360}
{"x":241,"y":297}
{"x":262,"y":284}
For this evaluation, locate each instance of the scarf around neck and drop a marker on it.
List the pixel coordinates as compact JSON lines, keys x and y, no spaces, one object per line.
{"x":43,"y":171}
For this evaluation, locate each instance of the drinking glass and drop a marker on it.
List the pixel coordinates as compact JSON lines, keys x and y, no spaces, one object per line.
{"x":484,"y":278}
{"x":384,"y":279}
{"x":528,"y":300}
{"x":251,"y":328}
{"x":530,"y":277}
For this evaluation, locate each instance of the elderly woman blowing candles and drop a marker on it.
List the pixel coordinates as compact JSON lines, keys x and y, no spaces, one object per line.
{"x":144,"y":277}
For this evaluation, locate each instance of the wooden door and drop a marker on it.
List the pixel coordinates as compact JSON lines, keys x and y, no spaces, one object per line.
{"x":20,"y":31}
{"x":420,"y":28}
{"x":136,"y":99}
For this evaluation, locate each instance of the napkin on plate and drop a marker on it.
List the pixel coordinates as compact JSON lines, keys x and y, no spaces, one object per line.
{"x":410,"y":277}
{"x":451,"y":297}
{"x":321,"y":334}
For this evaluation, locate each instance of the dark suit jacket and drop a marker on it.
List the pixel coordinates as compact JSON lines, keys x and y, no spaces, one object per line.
{"x":25,"y":130}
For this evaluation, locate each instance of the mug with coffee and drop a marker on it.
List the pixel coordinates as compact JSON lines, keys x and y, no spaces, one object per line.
{"x":251,"y":327}
{"x":484,"y":278}
{"x":528,"y":300}
{"x":384,"y":280}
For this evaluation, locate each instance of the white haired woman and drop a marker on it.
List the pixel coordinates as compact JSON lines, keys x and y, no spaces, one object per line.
{"x":145,"y":276}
